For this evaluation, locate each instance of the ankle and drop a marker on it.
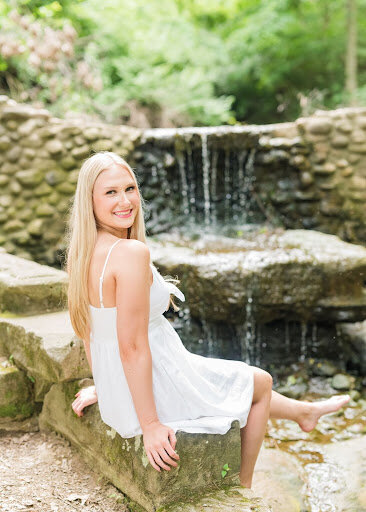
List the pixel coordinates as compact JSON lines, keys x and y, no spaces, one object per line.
{"x":246,"y":482}
{"x":305,"y":410}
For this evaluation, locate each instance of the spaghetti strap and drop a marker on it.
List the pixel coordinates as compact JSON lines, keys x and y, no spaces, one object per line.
{"x":102,"y":275}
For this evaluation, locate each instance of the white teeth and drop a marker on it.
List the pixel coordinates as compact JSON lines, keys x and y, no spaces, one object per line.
{"x":123,"y":214}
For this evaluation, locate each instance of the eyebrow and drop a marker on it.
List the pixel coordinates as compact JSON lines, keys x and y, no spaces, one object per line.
{"x":116,"y":186}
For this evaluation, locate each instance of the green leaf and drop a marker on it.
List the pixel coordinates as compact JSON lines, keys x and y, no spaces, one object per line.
{"x":223,"y":473}
{"x":226,"y":466}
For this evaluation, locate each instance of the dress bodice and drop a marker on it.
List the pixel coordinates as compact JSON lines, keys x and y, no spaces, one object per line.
{"x":104,"y":320}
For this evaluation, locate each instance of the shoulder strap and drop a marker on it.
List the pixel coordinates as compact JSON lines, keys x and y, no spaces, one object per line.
{"x":102,"y":275}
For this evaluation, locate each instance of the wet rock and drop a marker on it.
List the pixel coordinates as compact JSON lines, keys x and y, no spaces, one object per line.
{"x":342,"y":381}
{"x":323,"y":368}
{"x":337,"y":483}
{"x":295,"y":387}
{"x":305,"y":273}
{"x":354,"y":337}
{"x":278,"y":479}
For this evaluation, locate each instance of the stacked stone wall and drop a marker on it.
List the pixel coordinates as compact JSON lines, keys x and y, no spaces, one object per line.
{"x":307,"y":174}
{"x":40,"y":158}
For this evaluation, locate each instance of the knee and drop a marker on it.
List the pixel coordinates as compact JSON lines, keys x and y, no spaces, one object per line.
{"x":268,"y":381}
{"x":263,"y":382}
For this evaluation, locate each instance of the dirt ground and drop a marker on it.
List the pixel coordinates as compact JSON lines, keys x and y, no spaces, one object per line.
{"x":42,"y":472}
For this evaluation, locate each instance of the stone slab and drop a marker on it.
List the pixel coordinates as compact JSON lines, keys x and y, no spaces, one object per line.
{"x":124,"y":461}
{"x":298,"y":274}
{"x":26,"y":287}
{"x":46,"y":347}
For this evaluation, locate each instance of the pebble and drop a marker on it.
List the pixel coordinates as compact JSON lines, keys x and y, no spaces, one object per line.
{"x":342,"y":381}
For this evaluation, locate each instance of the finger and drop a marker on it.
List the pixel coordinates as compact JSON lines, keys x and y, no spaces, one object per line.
{"x":170,"y":451}
{"x":172,"y":438}
{"x":159,"y":460}
{"x":164,"y":455}
{"x":152,"y":462}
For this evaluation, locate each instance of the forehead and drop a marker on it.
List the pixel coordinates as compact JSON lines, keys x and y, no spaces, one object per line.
{"x":114,"y":175}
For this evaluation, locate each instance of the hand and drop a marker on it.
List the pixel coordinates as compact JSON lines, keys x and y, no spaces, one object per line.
{"x":159,"y":442}
{"x":85,"y":397}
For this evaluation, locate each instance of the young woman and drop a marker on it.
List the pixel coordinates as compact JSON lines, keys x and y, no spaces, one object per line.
{"x":146,"y":382}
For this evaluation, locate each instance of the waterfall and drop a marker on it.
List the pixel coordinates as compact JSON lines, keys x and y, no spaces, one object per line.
{"x":241,"y":184}
{"x":248,"y":338}
{"x":249,"y":179}
{"x":227,"y":188}
{"x":303,"y":347}
{"x":206,"y":179}
{"x":214,"y":192}
{"x":183,"y":179}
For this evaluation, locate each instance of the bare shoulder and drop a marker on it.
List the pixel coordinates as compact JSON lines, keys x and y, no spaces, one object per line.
{"x":130,"y":256}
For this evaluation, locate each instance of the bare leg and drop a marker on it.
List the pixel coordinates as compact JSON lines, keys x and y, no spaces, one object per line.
{"x":253,"y":433}
{"x":306,"y":414}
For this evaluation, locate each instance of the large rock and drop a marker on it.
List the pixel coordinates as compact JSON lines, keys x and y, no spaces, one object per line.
{"x":15,"y":392}
{"x":298,"y":274}
{"x":354,"y":337}
{"x":124,"y":461}
{"x":27,"y":287}
{"x":46,"y":347}
{"x":230,"y":499}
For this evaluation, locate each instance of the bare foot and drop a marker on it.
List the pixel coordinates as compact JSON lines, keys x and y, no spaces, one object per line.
{"x":314,"y":410}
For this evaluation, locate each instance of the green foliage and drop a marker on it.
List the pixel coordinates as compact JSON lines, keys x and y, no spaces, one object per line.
{"x":199,"y":62}
{"x":225,"y":469}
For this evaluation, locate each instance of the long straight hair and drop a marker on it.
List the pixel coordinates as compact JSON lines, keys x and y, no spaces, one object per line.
{"x":81,"y":236}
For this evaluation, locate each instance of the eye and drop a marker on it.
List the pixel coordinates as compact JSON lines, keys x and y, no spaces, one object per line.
{"x":110,"y":191}
{"x":132,"y":187}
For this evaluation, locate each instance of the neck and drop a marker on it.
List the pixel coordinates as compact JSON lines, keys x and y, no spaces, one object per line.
{"x":118,"y":233}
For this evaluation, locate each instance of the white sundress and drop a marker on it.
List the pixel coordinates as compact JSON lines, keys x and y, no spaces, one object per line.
{"x":192,"y":393}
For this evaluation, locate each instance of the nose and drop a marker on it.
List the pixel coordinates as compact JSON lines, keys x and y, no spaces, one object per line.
{"x":123,"y":200}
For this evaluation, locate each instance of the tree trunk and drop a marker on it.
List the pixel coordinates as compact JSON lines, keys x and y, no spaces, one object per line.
{"x":351,"y":55}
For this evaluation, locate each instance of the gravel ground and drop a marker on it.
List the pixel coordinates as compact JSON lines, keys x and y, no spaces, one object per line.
{"x":43,"y":472}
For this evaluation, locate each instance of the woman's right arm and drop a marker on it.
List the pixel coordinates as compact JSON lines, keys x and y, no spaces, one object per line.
{"x":132,"y":275}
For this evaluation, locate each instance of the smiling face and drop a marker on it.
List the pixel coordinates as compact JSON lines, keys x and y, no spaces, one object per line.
{"x":116,"y":200}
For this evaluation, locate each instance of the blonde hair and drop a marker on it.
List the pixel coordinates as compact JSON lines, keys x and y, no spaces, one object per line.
{"x":81,"y":236}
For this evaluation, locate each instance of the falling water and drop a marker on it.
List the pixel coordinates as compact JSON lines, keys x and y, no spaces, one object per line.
{"x":241,"y":160}
{"x":215,"y":156}
{"x":183,"y":178}
{"x":161,"y":172}
{"x":209,"y":337}
{"x":227,"y":188}
{"x":248,"y":338}
{"x":191,"y":180}
{"x":314,"y":338}
{"x":303,"y":348}
{"x":249,"y":179}
{"x":287,"y":337}
{"x":206,"y":179}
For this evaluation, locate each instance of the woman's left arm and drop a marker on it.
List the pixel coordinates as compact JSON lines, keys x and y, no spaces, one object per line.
{"x":87,"y":351}
{"x":85,"y":396}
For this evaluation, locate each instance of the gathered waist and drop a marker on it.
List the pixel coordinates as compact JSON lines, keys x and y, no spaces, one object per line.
{"x":108,"y":334}
{"x":156,"y":321}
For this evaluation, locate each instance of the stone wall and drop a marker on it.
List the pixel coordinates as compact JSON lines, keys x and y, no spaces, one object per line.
{"x":307,"y":174}
{"x":40,"y":157}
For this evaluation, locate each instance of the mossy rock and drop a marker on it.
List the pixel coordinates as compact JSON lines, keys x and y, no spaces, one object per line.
{"x":46,"y":347}
{"x":124,"y":461}
{"x":26,"y":287}
{"x":16,"y":398}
